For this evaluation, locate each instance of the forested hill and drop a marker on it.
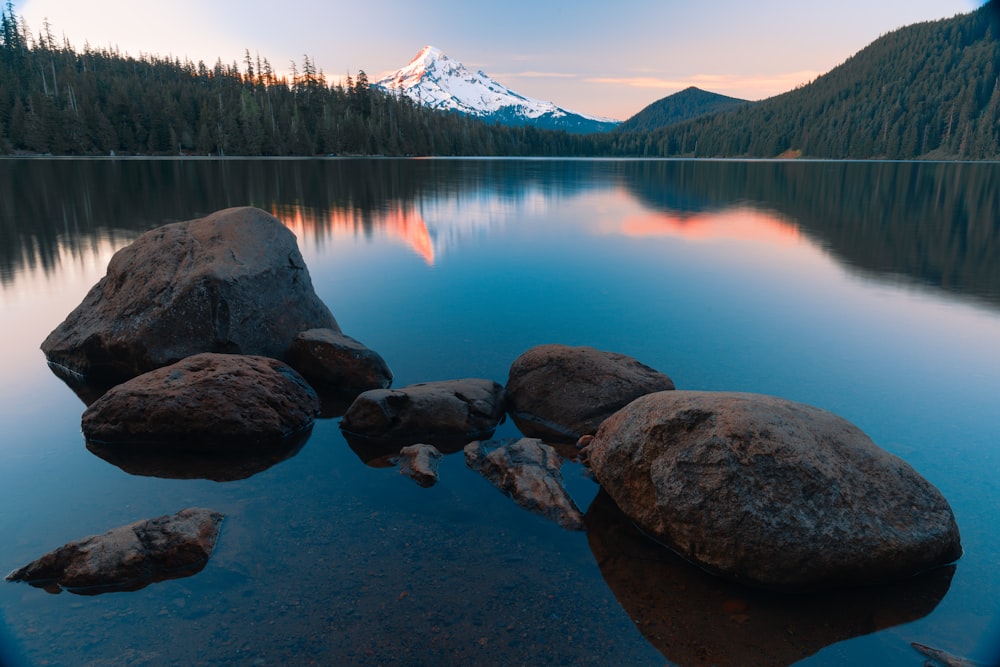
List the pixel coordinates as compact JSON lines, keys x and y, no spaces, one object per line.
{"x":927,"y":90}
{"x":687,"y":104}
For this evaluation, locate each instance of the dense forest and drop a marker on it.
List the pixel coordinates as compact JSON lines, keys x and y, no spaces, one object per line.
{"x":930,"y":90}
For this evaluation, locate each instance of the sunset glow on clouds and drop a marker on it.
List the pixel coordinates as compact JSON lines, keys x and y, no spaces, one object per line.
{"x":591,"y":57}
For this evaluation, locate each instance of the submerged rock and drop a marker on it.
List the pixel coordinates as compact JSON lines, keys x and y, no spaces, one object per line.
{"x":420,"y":463}
{"x":528,"y":471}
{"x":444,"y":414}
{"x":128,"y":557}
{"x":769,"y":492}
{"x":231,"y":282}
{"x":332,"y":361}
{"x":560,"y":393}
{"x":206,"y":403}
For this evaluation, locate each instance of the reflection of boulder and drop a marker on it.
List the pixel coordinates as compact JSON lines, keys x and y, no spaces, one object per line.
{"x":231,"y":282}
{"x":207,"y":402}
{"x":769,"y":492}
{"x":129,"y":557}
{"x":332,"y":361}
{"x":696,"y":619}
{"x":167,"y":463}
{"x":558,"y":393}
{"x":529,"y":472}
{"x":447,"y":414}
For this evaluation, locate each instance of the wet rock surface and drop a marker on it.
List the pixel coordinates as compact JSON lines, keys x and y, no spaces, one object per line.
{"x":559,"y":393}
{"x":528,"y":471}
{"x":420,"y":463}
{"x":128,"y":557}
{"x":447,"y":414}
{"x":232,"y":282}
{"x":205,"y":403}
{"x":333,"y":361}
{"x":769,"y":492}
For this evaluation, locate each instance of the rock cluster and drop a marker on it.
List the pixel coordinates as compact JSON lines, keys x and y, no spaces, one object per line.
{"x":215,"y":332}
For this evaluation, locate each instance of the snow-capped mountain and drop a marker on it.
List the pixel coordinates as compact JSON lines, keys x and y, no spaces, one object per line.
{"x":434,"y":80}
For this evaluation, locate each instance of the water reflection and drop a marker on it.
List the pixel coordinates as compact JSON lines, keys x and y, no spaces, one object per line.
{"x":932,"y":223}
{"x":169,"y":463}
{"x":694,"y":618}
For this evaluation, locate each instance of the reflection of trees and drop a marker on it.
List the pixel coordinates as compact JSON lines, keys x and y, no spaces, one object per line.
{"x":54,"y":203}
{"x":935,"y":223}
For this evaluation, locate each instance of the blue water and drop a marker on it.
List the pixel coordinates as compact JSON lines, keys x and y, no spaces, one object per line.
{"x":777,"y":278}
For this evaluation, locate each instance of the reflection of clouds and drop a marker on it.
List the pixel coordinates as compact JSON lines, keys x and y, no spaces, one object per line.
{"x":740,"y":223}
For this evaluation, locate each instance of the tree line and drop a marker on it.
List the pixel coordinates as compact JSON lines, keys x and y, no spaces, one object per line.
{"x":931,"y":90}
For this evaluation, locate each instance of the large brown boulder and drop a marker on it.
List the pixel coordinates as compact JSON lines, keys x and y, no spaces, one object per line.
{"x":559,"y":393}
{"x":529,"y":471}
{"x":769,"y":492}
{"x":231,"y":282}
{"x":207,"y":402}
{"x":128,"y":557}
{"x":447,"y":414}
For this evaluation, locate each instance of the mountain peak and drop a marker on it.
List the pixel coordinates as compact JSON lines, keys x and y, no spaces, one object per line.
{"x":434,"y":80}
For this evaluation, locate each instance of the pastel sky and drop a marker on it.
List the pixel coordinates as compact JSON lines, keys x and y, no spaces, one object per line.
{"x":604,"y":58}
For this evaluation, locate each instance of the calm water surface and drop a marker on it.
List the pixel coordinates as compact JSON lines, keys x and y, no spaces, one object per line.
{"x":868,"y":289}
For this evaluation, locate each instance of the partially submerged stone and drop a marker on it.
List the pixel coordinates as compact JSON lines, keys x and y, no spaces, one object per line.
{"x":528,"y":471}
{"x":444,"y":414}
{"x":128,"y":557}
{"x":769,"y":492}
{"x":420,"y":463}
{"x":559,"y":393}
{"x":207,"y":402}
{"x":232,"y":282}
{"x":333,"y":361}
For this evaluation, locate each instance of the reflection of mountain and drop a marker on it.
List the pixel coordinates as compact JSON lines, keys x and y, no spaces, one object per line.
{"x":694,"y":618}
{"x":739,"y":222}
{"x":396,"y":222}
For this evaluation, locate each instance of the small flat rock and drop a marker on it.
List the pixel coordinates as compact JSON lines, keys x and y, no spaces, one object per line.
{"x":444,"y":414}
{"x":420,"y":462}
{"x":333,"y":361}
{"x":529,"y":472}
{"x":128,"y":557}
{"x":559,"y":393}
{"x":207,"y":402}
{"x":769,"y":492}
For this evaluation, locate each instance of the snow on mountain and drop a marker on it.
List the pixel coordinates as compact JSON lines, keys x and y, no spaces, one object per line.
{"x":434,"y":80}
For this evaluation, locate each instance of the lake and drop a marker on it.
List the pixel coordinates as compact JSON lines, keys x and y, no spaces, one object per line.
{"x":868,"y":289}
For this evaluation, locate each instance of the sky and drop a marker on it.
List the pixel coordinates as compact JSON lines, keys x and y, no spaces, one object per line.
{"x":602,"y":58}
